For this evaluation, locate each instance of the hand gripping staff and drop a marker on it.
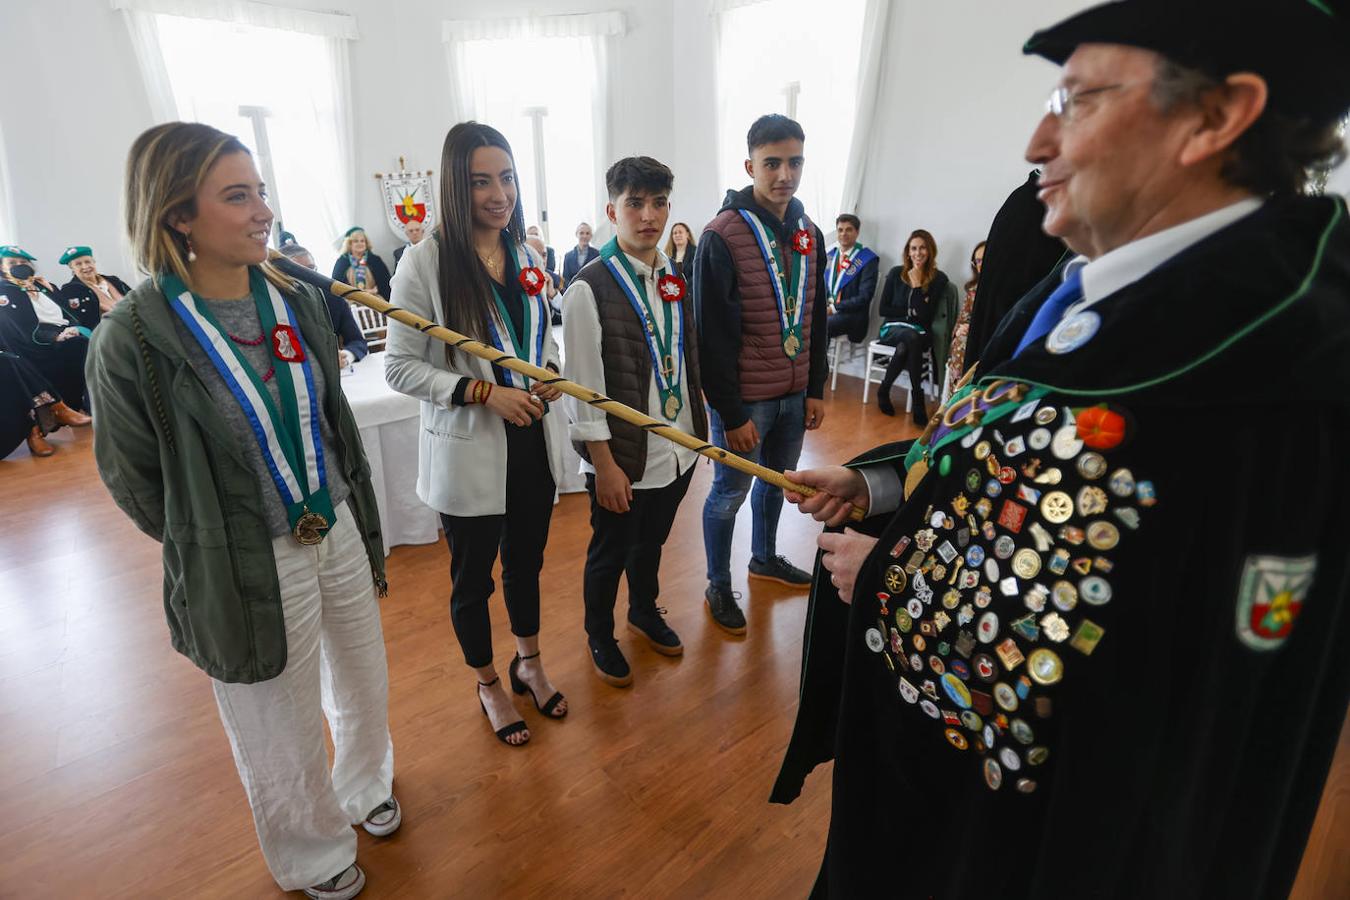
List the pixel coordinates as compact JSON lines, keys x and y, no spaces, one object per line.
{"x":571,"y":388}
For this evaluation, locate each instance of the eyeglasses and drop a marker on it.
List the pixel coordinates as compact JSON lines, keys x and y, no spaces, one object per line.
{"x":1063,"y":102}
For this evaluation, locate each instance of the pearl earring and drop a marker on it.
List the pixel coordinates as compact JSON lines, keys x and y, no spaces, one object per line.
{"x":192,"y":254}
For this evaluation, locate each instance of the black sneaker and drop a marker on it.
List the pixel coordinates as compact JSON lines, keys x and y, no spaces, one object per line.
{"x":610,"y":666}
{"x":652,"y":626}
{"x":780,"y":570}
{"x":721,"y":604}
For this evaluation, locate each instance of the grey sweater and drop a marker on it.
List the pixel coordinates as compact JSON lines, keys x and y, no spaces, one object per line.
{"x":240,"y":318}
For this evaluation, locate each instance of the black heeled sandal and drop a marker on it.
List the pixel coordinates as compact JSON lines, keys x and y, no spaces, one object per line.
{"x":520,"y":687}
{"x":506,"y":730}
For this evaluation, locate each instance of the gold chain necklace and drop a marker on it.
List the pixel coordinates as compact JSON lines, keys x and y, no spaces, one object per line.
{"x":493,"y":263}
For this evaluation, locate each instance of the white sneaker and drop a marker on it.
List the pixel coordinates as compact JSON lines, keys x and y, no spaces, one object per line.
{"x":343,"y":886}
{"x":384,"y":819}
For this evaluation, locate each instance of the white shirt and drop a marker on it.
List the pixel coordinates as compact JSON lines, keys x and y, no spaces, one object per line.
{"x":1102,"y":277}
{"x":583,"y":364}
{"x":48,"y":312}
{"x":1126,"y":264}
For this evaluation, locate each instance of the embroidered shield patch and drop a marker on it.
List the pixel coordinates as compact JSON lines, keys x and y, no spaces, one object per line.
{"x":1270,"y":597}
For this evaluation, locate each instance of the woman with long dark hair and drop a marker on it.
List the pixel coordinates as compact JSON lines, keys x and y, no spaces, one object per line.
{"x":223,"y":434}
{"x":491,"y":449}
{"x":908,"y":302}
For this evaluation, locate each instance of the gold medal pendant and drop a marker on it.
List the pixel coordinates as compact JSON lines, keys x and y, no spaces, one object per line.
{"x":309,"y":529}
{"x":792,"y":345}
{"x":672,"y":407}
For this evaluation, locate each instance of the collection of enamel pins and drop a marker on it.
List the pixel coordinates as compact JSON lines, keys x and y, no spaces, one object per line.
{"x":987,"y":603}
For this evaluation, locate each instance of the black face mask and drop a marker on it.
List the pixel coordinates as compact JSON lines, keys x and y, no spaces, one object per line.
{"x":21,"y":272}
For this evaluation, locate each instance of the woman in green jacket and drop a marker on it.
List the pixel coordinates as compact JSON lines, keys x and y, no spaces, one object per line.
{"x":223,"y":433}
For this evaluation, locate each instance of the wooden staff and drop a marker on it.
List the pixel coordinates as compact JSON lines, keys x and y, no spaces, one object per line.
{"x":544,"y":376}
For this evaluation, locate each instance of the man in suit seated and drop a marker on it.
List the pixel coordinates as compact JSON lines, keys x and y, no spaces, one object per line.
{"x":850,"y":280}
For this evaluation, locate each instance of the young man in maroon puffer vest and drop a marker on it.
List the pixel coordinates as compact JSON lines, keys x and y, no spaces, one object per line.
{"x":759,"y":293}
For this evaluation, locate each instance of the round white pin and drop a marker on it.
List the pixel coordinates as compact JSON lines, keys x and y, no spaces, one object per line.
{"x":1073,"y":332}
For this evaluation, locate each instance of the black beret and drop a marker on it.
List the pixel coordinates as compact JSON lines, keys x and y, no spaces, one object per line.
{"x":1300,"y":47}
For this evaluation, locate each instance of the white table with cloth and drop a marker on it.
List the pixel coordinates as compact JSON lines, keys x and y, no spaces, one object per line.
{"x":389,"y":423}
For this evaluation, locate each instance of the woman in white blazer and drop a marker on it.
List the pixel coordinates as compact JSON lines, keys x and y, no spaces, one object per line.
{"x":491,"y":445}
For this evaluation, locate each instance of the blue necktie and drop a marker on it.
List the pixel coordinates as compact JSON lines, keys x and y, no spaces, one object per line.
{"x":1052,"y":310}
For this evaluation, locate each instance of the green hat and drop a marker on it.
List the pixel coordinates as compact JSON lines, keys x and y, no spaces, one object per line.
{"x":353,"y":230}
{"x":11,"y":251}
{"x":74,"y":253}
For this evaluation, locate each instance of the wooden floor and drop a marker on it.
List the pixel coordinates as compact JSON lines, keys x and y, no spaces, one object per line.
{"x":116,"y":779}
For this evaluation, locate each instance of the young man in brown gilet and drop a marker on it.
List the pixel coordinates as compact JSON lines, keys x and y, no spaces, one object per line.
{"x":629,"y":333}
{"x":759,"y":291}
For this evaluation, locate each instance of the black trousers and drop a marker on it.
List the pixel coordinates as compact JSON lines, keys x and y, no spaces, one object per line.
{"x":520,"y":535}
{"x":909,"y":348}
{"x":845,"y":324}
{"x":628,"y":543}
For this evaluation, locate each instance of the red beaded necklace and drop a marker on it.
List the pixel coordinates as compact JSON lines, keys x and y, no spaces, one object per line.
{"x":271,"y":370}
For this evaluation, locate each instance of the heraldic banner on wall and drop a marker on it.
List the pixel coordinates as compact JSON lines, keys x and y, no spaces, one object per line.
{"x":407,"y":197}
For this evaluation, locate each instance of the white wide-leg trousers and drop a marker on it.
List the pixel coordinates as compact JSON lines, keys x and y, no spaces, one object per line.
{"x":336,"y":668}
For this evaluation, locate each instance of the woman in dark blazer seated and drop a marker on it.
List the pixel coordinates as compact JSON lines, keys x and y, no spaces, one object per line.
{"x":90,"y":294}
{"x":908,"y":302}
{"x":359,"y":266}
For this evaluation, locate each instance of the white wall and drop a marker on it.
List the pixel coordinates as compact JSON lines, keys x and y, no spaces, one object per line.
{"x":958,"y":103}
{"x":82,"y":103}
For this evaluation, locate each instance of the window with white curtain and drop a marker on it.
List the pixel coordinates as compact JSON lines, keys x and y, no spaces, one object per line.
{"x":292,"y":87}
{"x":274,"y":77}
{"x":509,"y":99}
{"x":553,"y":113}
{"x":783,"y":56}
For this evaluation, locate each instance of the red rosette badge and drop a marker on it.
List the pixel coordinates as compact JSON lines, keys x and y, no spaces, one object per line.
{"x":802,"y":241}
{"x":532,"y":280}
{"x":671,"y":288}
{"x":286,"y":345}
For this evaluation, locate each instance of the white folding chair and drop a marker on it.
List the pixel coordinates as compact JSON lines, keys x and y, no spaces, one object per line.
{"x":374,"y":326}
{"x":837,"y":345}
{"x":879,"y":357}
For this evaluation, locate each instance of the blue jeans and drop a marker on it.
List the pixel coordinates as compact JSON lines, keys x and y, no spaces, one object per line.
{"x":781,"y":425}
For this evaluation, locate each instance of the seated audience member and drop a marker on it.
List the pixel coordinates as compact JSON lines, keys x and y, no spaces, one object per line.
{"x":89,"y":295}
{"x":359,"y":266}
{"x":1017,"y":256}
{"x":350,"y":340}
{"x":37,"y":326}
{"x":414,"y":231}
{"x":961,"y":330}
{"x":850,"y":280}
{"x":910,"y":301}
{"x":579,"y":255}
{"x":550,"y":257}
{"x":27,"y":406}
{"x":536,"y":243}
{"x":680,"y":249}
